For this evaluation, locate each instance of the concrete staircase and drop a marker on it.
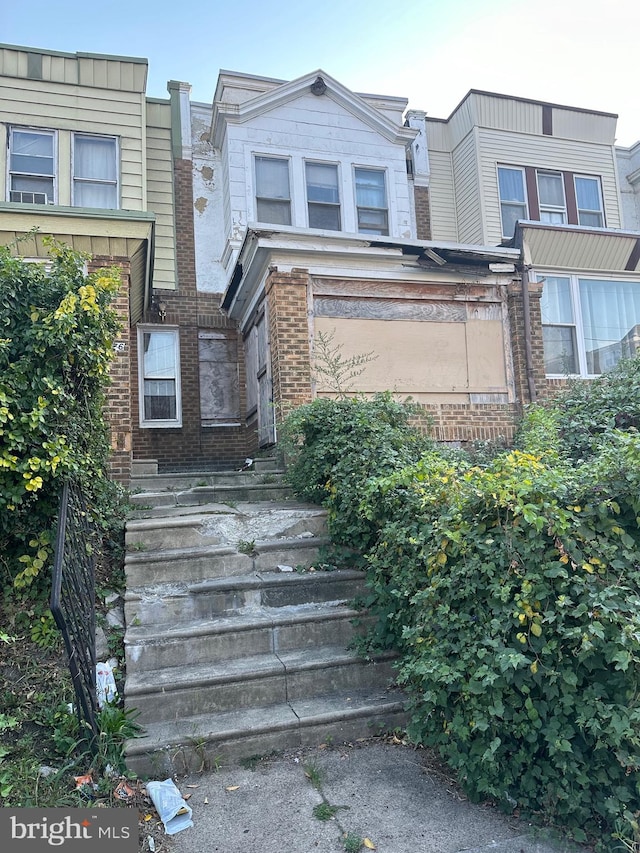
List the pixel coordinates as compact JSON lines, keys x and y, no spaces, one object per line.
{"x":237,"y":641}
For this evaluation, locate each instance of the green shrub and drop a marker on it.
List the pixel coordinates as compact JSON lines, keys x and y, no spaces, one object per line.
{"x":513,"y":595}
{"x":57,"y":328}
{"x":334,"y":447}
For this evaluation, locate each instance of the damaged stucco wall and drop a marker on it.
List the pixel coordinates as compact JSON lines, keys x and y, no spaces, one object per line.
{"x":207,"y":204}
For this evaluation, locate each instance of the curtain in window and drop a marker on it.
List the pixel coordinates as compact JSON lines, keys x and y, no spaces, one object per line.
{"x":550,"y":189}
{"x":94,"y":163}
{"x":370,"y":191}
{"x":322,"y":183}
{"x":556,"y":301}
{"x":272,"y":178}
{"x":511,"y":185}
{"x":587,"y":194}
{"x":611,"y":321}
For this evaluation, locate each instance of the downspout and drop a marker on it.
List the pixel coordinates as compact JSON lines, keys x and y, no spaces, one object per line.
{"x":528,"y":351}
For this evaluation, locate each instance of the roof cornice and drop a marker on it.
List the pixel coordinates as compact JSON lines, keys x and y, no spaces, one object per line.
{"x":225,"y":113}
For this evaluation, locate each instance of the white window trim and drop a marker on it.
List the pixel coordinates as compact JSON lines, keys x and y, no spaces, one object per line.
{"x":598,"y":181}
{"x":511,"y":203}
{"x":574,"y":290}
{"x":339,"y":205}
{"x":9,"y":173}
{"x":269,"y":155}
{"x":166,"y":424}
{"x":97,"y":181}
{"x":551,"y":208}
{"x":371,"y":168}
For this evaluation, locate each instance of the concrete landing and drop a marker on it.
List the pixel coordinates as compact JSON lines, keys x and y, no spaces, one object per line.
{"x":393,"y":795}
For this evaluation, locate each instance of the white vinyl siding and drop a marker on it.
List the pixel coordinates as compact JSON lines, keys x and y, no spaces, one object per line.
{"x":442,"y":197}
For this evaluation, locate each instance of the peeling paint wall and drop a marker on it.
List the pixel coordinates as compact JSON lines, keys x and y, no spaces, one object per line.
{"x":208,"y":204}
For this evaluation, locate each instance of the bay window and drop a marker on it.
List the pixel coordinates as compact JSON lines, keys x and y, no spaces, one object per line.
{"x":588,"y":324}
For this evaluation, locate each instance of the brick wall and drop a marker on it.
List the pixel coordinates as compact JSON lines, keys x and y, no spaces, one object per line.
{"x":464,"y":423}
{"x":192,"y":446}
{"x":516,"y":320}
{"x":118,"y":408}
{"x":286,"y":295}
{"x":423,"y":213}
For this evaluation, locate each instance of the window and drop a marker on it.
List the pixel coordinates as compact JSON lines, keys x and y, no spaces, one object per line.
{"x":323,"y":196}
{"x":589,"y":201}
{"x":371,"y":201}
{"x":589,"y":324}
{"x":513,"y":199}
{"x":273,"y":195}
{"x":31,"y":166}
{"x":219,"y":382}
{"x":551,"y":199}
{"x":159,"y":377}
{"x":95,"y":171}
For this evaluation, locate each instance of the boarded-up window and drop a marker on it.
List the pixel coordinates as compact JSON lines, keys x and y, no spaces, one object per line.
{"x":219,"y":384}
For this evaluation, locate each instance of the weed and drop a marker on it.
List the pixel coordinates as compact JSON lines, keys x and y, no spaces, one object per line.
{"x":250,"y":762}
{"x":137,"y":546}
{"x":313,"y":774}
{"x":247,"y":546}
{"x":116,"y":726}
{"x":324,"y":811}
{"x":352,"y":842}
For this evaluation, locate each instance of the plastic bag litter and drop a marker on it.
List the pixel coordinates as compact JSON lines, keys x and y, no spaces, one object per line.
{"x":174,"y":813}
{"x":106,"y":690}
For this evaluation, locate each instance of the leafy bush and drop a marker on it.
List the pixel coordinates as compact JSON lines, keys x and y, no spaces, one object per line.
{"x":590,"y":409}
{"x":334,"y":447}
{"x":56,"y":332}
{"x":513,"y":595}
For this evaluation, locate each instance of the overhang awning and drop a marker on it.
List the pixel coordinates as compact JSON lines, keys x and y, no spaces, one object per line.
{"x":111,"y":233}
{"x":572,"y":247}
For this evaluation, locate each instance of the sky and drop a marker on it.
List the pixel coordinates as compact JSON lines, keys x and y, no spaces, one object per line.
{"x":581,"y":53}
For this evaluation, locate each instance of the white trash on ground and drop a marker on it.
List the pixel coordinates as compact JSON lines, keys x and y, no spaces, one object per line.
{"x":106,"y":690}
{"x":174,"y":812}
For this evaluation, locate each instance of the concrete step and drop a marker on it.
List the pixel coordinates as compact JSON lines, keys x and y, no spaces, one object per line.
{"x":201,"y":479}
{"x":144,"y":568}
{"x":261,"y":680}
{"x":203,"y":741}
{"x":222,"y":525}
{"x":267,"y":630}
{"x":172,"y":603}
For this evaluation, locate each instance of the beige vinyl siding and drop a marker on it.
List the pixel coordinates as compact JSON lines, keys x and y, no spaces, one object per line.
{"x":442,"y":197}
{"x":468,"y":201}
{"x":76,"y":69}
{"x":539,"y":152}
{"x":160,"y":197}
{"x":52,"y":106}
{"x":586,"y":127}
{"x":507,"y":114}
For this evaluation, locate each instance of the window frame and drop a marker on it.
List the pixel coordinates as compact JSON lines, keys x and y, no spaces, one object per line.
{"x":575,"y":278}
{"x":168,"y":423}
{"x":508,"y":203}
{"x":598,"y":182}
{"x":543,"y":207}
{"x":358,"y":207}
{"x":323,"y":204}
{"x":53,"y":134}
{"x":257,"y":156}
{"x":81,"y":180}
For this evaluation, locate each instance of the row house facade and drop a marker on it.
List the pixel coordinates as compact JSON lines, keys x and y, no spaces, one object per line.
{"x":480,"y":259}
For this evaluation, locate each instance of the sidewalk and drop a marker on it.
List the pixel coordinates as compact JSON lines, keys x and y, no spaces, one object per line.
{"x":386,"y":793}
